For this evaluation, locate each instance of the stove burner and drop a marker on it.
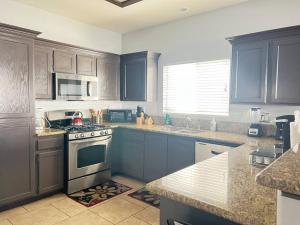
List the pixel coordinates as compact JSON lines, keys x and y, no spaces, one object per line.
{"x":82,"y":128}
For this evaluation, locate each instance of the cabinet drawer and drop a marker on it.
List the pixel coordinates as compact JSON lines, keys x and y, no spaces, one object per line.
{"x":50,"y":142}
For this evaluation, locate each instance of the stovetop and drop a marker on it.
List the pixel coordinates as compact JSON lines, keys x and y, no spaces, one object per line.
{"x":82,"y":128}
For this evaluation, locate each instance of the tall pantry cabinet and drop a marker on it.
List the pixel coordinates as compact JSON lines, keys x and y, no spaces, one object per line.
{"x":16,"y":114}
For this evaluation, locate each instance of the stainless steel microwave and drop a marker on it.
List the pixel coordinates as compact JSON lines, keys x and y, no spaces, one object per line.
{"x":75,"y":87}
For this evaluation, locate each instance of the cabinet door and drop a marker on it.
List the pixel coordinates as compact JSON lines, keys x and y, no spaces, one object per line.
{"x":43,"y":65}
{"x":50,"y":170}
{"x":64,"y":61}
{"x":17,"y":163}
{"x":133,"y":79}
{"x":16,"y":77}
{"x":86,"y":64}
{"x":155,"y":164}
{"x":108,"y":72}
{"x":249,"y":72}
{"x":181,"y":153}
{"x":132,"y":154}
{"x":286,"y":71}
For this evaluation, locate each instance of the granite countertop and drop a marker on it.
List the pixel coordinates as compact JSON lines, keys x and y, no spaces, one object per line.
{"x":224,"y":185}
{"x":48,"y":132}
{"x":283,"y":174}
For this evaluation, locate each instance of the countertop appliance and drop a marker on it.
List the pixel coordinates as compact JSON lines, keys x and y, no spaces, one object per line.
{"x":75,"y":87}
{"x":207,"y":149}
{"x":255,"y":129}
{"x":120,"y":115}
{"x":87,"y":153}
{"x":283,"y":130}
{"x":263,"y":156}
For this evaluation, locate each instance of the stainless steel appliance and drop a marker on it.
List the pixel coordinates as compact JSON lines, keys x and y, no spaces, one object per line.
{"x":75,"y":87}
{"x":87,"y":152}
{"x":120,"y":115}
{"x":283,"y":130}
{"x":205,"y":150}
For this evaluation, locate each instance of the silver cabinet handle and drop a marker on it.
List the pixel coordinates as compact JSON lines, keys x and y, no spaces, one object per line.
{"x":125,"y":82}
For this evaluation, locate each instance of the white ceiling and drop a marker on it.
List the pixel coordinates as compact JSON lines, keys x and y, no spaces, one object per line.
{"x":140,"y":15}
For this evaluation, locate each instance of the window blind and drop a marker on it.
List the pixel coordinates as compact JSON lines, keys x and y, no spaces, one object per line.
{"x":197,"y":88}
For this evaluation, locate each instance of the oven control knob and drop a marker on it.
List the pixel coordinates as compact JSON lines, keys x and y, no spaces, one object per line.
{"x":76,"y":136}
{"x":102,"y":132}
{"x":106,"y":132}
{"x":92,"y":134}
{"x":82,"y":135}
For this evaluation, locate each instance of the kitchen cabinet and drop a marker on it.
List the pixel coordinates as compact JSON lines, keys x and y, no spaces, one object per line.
{"x":43,"y":67}
{"x":86,"y":64}
{"x":181,"y":153}
{"x":64,"y":61}
{"x":108,"y":73}
{"x":285,"y":71}
{"x":265,"y":67}
{"x":249,"y":72}
{"x":16,"y":160}
{"x":155,"y":163}
{"x":139,"y":76}
{"x":132,"y":153}
{"x":50,"y":171}
{"x":16,"y":114}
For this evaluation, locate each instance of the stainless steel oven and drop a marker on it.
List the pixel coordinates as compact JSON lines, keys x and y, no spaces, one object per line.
{"x":88,"y":162}
{"x":75,"y":87}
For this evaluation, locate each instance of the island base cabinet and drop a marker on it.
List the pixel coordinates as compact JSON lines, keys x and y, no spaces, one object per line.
{"x":50,"y":171}
{"x":175,"y":213}
{"x":288,"y":208}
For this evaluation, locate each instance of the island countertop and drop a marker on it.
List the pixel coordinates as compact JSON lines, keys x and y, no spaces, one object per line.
{"x":223,"y":185}
{"x":283,"y":174}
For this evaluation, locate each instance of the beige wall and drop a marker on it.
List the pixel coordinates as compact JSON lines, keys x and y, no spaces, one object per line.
{"x":59,"y":28}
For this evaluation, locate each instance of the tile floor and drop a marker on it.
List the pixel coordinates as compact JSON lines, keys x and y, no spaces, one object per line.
{"x":60,"y":210}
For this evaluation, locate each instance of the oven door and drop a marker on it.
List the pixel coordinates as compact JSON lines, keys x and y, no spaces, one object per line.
{"x":88,"y":156}
{"x":75,"y":87}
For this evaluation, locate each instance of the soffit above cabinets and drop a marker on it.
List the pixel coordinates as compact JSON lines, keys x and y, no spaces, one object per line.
{"x":137,"y":14}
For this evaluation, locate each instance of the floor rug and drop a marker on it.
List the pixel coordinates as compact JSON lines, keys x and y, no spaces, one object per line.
{"x":146,"y":196}
{"x":99,"y":193}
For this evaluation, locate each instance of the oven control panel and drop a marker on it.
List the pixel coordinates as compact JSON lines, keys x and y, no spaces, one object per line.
{"x":91,"y":134}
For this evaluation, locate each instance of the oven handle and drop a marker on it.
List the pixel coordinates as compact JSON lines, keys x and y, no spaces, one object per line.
{"x":91,"y":140}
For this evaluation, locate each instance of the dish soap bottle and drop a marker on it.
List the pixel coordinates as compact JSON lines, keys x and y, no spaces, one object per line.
{"x":168,"y":119}
{"x":213,"y":125}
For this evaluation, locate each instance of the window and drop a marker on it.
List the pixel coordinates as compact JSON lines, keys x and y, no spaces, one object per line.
{"x":197,"y":88}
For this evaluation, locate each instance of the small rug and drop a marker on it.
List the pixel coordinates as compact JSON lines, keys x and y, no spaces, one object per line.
{"x":99,"y":193}
{"x":146,"y":196}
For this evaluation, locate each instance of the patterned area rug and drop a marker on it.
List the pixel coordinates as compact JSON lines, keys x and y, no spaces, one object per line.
{"x":146,"y":196}
{"x":94,"y":195}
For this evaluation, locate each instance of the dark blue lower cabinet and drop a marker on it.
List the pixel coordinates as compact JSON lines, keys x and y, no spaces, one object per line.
{"x":181,"y":153}
{"x":175,"y":213}
{"x":155,"y":163}
{"x":132,"y":153}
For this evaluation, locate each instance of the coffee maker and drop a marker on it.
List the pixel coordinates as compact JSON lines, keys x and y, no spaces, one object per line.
{"x":283,"y":130}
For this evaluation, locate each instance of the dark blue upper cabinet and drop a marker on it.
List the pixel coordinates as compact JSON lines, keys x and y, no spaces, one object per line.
{"x":249,"y":72}
{"x":138,"y":76}
{"x":265,"y":67}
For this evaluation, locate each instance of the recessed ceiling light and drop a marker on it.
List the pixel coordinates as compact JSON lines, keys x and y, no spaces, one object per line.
{"x":123,"y":3}
{"x":184,"y":9}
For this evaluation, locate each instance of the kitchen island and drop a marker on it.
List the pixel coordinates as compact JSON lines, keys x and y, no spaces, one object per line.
{"x":220,"y":188}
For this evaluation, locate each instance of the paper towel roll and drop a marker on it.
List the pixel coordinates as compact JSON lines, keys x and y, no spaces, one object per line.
{"x":294,"y":133}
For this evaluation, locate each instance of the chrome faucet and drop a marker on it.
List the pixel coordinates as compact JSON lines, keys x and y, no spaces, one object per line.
{"x":188,"y":121}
